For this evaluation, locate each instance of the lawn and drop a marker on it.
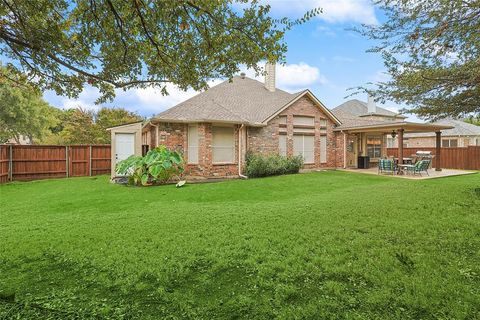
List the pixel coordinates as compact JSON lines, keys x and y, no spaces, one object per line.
{"x":332,"y":245}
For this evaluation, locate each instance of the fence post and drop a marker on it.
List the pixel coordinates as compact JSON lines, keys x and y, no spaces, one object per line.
{"x":10,"y":163}
{"x":90,"y":164}
{"x":66,"y":161}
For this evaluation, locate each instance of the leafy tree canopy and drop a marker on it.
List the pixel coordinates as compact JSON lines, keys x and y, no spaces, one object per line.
{"x":431,"y":51}
{"x":111,"y":44}
{"x":23,"y":112}
{"x":473,"y":120}
{"x":81,"y":126}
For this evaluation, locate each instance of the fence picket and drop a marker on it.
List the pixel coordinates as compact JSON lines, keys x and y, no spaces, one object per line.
{"x":467,"y":158}
{"x":32,"y":162}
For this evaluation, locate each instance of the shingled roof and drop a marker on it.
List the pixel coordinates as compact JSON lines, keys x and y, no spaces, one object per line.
{"x":359,"y":108}
{"x":461,"y":128}
{"x":241,"y":100}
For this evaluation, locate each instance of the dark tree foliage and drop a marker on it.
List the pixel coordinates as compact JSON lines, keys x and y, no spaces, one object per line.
{"x":64,"y":45}
{"x":431,"y":51}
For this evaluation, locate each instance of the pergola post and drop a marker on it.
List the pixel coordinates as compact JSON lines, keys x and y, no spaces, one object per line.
{"x":438,"y":150}
{"x":400,"y":146}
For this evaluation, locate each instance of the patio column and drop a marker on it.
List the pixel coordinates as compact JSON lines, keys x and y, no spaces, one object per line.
{"x":400,"y":146}
{"x":438,"y":150}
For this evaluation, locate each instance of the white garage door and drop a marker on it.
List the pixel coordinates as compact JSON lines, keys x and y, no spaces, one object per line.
{"x":124,"y":145}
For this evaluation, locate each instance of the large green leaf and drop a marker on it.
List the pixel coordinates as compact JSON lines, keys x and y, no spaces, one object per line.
{"x":144,"y":178}
{"x":155,"y":170}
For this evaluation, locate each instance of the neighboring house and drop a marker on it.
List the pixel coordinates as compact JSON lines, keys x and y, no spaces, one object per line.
{"x":462,"y":135}
{"x":215,"y":129}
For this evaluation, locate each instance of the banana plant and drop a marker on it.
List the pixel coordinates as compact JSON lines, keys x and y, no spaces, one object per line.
{"x":158,"y":166}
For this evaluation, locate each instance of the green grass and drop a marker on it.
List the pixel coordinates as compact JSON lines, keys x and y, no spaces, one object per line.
{"x":333,"y":245}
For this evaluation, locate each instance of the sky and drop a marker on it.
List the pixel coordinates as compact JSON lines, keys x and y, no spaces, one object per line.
{"x":323,"y":55}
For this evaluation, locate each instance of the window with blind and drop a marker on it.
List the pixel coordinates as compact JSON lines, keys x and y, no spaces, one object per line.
{"x":223,"y":145}
{"x":303,"y":121}
{"x":305,"y":147}
{"x":282,"y":145}
{"x":323,"y":149}
{"x":374,"y":146}
{"x":449,"y":143}
{"x":192,"y":143}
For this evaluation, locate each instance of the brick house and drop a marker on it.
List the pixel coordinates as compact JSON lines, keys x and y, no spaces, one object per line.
{"x":215,"y":129}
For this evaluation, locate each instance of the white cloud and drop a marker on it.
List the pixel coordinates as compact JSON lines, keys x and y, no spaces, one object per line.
{"x":293,"y":77}
{"x":361,"y":11}
{"x":150,"y":101}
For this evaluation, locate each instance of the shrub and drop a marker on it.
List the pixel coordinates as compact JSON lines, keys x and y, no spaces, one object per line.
{"x":159,"y":165}
{"x":271,"y":165}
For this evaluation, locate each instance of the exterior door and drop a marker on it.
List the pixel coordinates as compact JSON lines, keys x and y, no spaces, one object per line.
{"x":124,"y":146}
{"x":352,"y":151}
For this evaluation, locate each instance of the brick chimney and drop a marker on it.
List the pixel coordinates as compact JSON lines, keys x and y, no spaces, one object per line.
{"x":270,"y":76}
{"x":371,"y":106}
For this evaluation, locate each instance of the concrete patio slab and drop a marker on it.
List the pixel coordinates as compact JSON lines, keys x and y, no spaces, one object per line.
{"x":431,"y":173}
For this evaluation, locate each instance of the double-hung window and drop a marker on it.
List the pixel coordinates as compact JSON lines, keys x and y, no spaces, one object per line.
{"x":449,"y":143}
{"x":192,"y":143}
{"x":282,"y":145}
{"x":374,"y":146}
{"x":304,"y":146}
{"x":223,"y":145}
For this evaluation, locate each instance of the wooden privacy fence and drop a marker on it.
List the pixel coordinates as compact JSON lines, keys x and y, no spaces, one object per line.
{"x":31,"y":162}
{"x":452,"y":158}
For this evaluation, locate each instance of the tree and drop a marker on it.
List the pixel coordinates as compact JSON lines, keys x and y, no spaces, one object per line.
{"x":431,"y":51}
{"x":23,"y":112}
{"x":112,"y":44}
{"x":473,"y":120}
{"x":109,"y":117}
{"x":81,"y":126}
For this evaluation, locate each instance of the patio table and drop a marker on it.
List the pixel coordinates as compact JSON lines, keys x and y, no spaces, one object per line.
{"x":405,"y":160}
{"x":401,"y":168}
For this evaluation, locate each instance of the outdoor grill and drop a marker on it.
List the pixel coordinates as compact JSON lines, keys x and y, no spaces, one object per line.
{"x":424,"y":155}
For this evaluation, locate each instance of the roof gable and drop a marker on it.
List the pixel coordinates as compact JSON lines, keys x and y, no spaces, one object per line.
{"x":317,"y":102}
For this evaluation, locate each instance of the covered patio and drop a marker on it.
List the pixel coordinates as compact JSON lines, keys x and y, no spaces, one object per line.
{"x":370,"y":142}
{"x":432,"y":173}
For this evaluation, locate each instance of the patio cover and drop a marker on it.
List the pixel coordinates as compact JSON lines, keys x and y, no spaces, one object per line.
{"x":399,"y":128}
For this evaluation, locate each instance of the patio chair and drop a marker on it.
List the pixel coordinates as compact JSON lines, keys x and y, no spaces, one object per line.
{"x":386,"y":166}
{"x":419,"y":167}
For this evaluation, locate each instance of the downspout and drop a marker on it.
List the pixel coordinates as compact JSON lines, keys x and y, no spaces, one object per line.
{"x":240,"y":153}
{"x":344,"y":150}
